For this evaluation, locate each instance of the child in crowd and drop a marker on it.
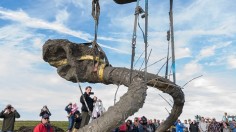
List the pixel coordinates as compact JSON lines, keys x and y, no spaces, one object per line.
{"x":73,"y":110}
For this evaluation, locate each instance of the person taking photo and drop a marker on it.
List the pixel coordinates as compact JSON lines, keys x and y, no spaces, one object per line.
{"x":45,"y":110}
{"x":86,"y":112}
{"x":9,"y":114}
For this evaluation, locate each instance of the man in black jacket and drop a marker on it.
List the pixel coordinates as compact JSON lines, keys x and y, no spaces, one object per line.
{"x":86,"y":114}
{"x":9,"y":114}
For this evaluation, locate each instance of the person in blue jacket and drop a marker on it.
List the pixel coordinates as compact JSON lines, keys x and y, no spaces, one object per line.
{"x":70,"y":118}
{"x":179,"y":126}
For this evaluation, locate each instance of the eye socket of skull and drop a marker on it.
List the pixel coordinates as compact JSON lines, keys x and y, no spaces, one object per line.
{"x":54,"y":53}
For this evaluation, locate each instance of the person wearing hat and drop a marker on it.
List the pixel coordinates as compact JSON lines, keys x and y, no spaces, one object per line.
{"x":9,"y":114}
{"x":44,"y":126}
{"x":45,"y":110}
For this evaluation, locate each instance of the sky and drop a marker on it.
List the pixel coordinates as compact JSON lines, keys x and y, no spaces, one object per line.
{"x":205,"y":45}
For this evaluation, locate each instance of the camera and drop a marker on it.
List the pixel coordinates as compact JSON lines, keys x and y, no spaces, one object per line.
{"x":91,"y":93}
{"x":143,"y":120}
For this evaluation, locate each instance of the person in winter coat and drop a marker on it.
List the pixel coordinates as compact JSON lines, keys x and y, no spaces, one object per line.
{"x":193,"y":127}
{"x":203,"y":125}
{"x":9,"y":114}
{"x":226,"y":127}
{"x":45,"y":110}
{"x":98,"y":109}
{"x":179,"y":126}
{"x":86,"y":112}
{"x":214,"y":126}
{"x":71,"y":119}
{"x":73,"y":110}
{"x":44,"y":126}
{"x":78,"y":119}
{"x":233,"y":126}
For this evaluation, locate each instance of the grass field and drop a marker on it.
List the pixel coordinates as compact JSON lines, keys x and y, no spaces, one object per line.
{"x":61,"y":124}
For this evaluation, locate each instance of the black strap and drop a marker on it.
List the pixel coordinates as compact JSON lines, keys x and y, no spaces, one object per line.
{"x":48,"y":128}
{"x":124,"y":1}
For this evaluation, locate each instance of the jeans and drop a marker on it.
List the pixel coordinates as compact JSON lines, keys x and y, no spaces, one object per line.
{"x":71,"y":122}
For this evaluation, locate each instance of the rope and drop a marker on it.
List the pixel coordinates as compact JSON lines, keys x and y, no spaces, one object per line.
{"x":118,"y":86}
{"x":89,"y":112}
{"x":95,"y":46}
{"x":191,"y":80}
{"x":95,"y":14}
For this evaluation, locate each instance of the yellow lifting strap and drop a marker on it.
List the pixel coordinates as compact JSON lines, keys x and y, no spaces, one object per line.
{"x":100,"y":71}
{"x":90,"y":57}
{"x":58,"y":63}
{"x":85,"y":57}
{"x":101,"y":66}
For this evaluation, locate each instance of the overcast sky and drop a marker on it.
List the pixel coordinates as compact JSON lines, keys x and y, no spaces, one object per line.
{"x":205,"y":44}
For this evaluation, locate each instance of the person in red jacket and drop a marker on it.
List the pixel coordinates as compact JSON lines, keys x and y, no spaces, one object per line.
{"x":44,"y":126}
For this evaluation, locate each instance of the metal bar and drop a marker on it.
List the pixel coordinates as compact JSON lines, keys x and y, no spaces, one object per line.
{"x":172,"y":41}
{"x":134,"y":39}
{"x":146,"y":36}
{"x":167,"y":61}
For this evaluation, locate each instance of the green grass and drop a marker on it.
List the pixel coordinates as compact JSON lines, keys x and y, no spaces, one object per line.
{"x":61,"y":124}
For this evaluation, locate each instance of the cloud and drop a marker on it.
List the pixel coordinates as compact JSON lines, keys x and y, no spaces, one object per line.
{"x":207,"y":52}
{"x":210,"y":51}
{"x":189,"y":70}
{"x":182,"y":53}
{"x":62,"y":16}
{"x":21,"y":17}
{"x":207,"y":91}
{"x":231,"y":61}
{"x":204,"y":43}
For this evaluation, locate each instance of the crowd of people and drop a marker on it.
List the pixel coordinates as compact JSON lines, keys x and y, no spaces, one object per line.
{"x":92,"y":108}
{"x":203,"y":125}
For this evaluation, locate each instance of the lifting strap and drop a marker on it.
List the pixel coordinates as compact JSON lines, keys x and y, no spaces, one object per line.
{"x":124,"y":1}
{"x":96,"y":48}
